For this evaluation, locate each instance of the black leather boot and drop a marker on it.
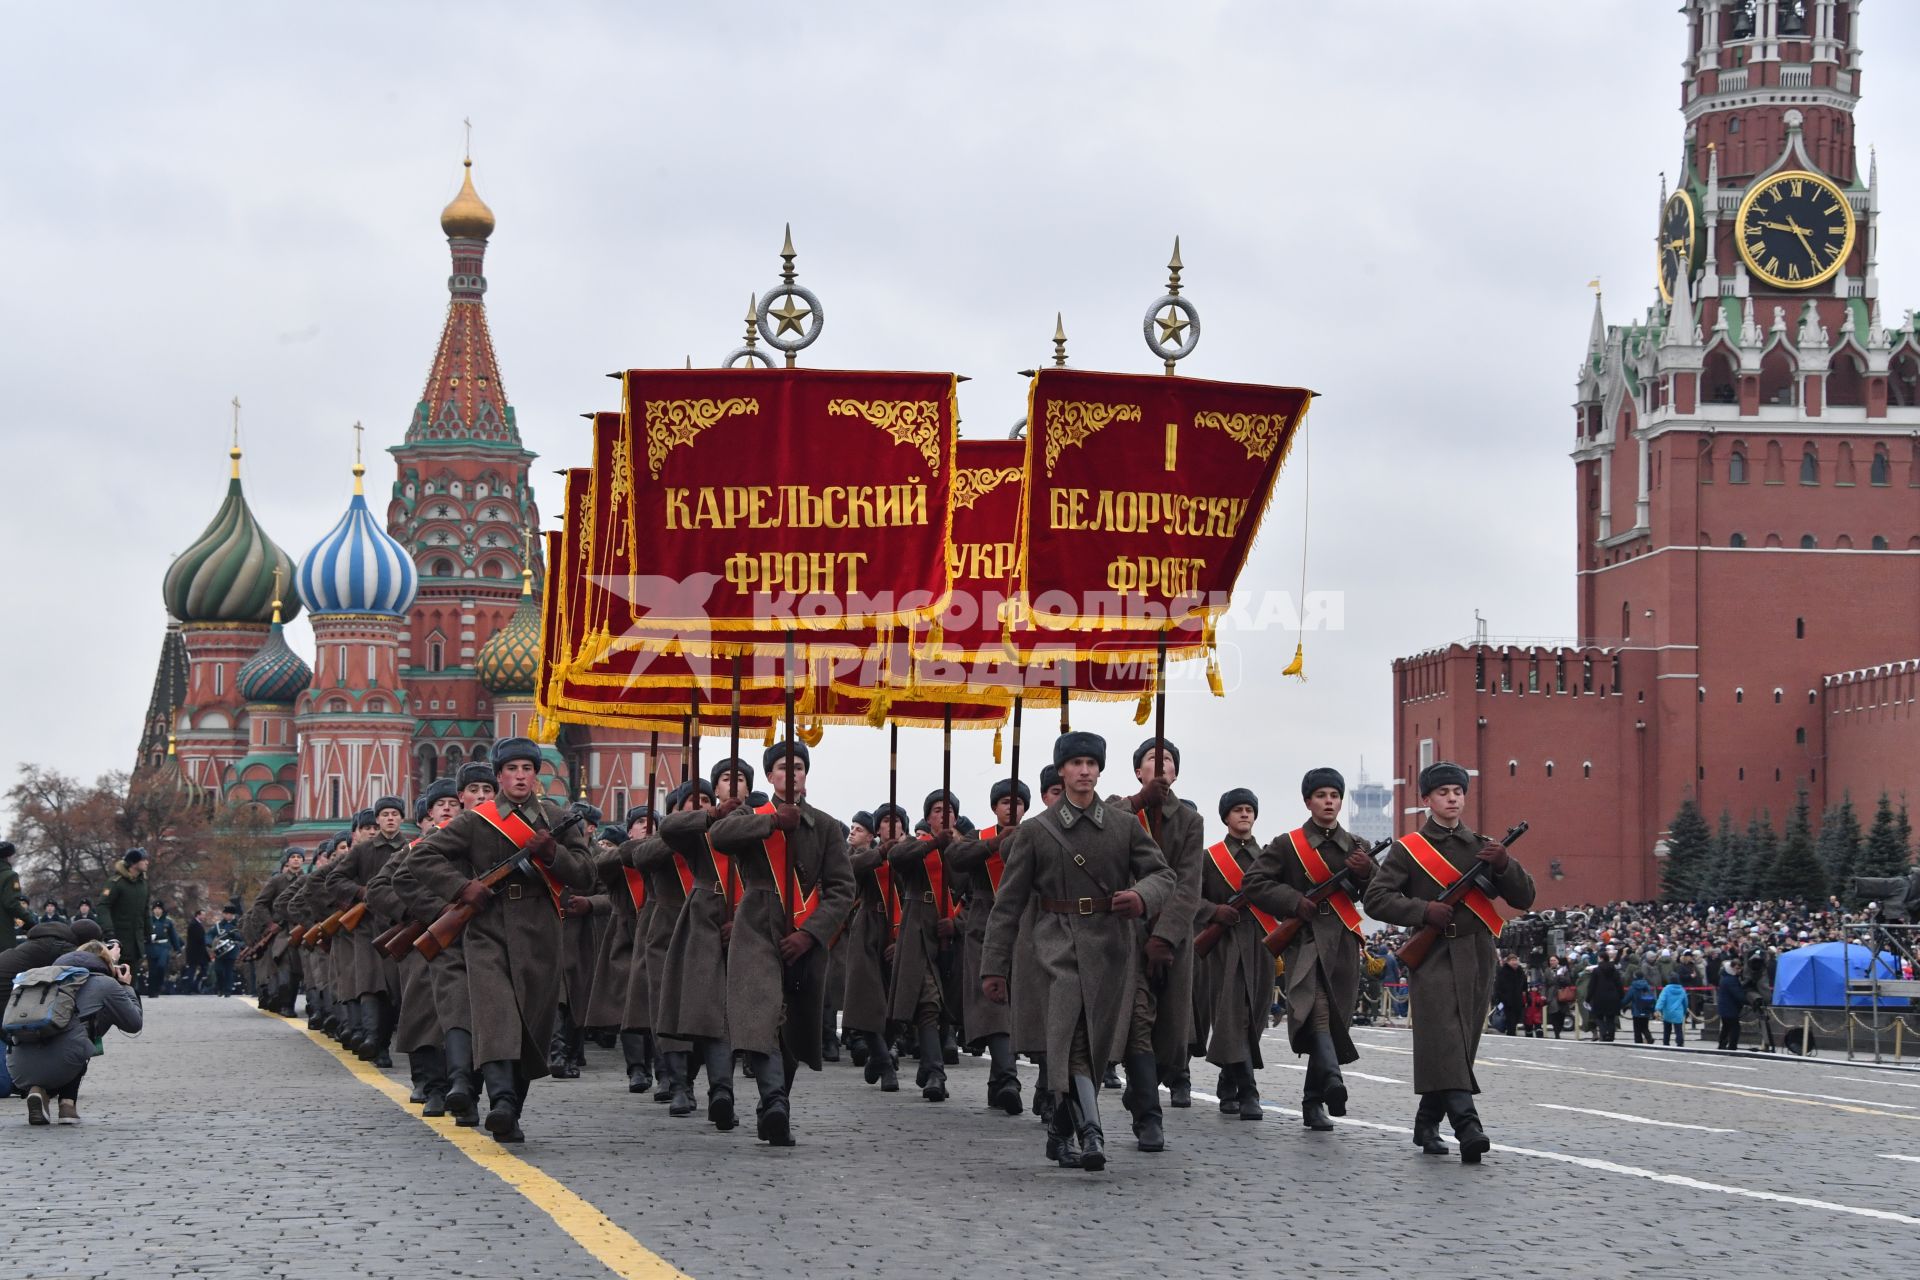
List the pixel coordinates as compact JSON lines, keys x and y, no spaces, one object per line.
{"x":1229,"y":1090}
{"x":1143,"y":1099}
{"x":350,"y":1031}
{"x":417,"y":1077}
{"x":933,"y":1074}
{"x":889,"y":1065}
{"x":1086,"y":1116}
{"x":1003,"y":1078}
{"x":770,"y":1074}
{"x":1043,"y":1097}
{"x":1111,"y":1080}
{"x":503,"y":1099}
{"x":1063,"y":1144}
{"x":673,"y":1073}
{"x":633,"y":1048}
{"x":949,"y":1046}
{"x":719,"y":1060}
{"x":1333,"y":1086}
{"x":874,"y":1055}
{"x":1180,"y":1088}
{"x":1247,"y":1093}
{"x":857,"y":1051}
{"x":1426,"y":1124}
{"x":829,"y":1034}
{"x":1466,"y":1126}
{"x":463,"y":1090}
{"x":386,"y":1017}
{"x":431,"y":1065}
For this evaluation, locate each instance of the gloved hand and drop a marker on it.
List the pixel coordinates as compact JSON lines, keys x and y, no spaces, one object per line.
{"x":994,"y":989}
{"x":1129,"y":904}
{"x":1439,"y":914}
{"x":795,"y":946}
{"x":541,"y":848}
{"x":1150,"y":797}
{"x":726,"y":935}
{"x":1226,"y":915}
{"x":942,"y":840}
{"x":1360,"y":864}
{"x":944,"y":929}
{"x":726,"y":807}
{"x":579,"y":906}
{"x":475,"y":894}
{"x":1159,"y":957}
{"x":1306,"y":910}
{"x":1495,"y":855}
{"x":359,"y":893}
{"x":785,"y":817}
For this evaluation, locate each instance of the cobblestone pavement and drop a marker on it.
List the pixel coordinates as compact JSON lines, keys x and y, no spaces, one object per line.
{"x":226,"y":1142}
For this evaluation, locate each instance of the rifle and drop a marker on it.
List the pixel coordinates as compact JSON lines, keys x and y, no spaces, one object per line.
{"x":1284,"y":933}
{"x":331,"y":925}
{"x":452,"y":922}
{"x":260,"y":944}
{"x":1414,"y":951}
{"x":399,"y":940}
{"x":350,"y":918}
{"x":299,"y":933}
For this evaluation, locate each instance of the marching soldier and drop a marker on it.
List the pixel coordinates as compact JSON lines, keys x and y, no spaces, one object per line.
{"x":869,"y":938}
{"x":512,"y":946}
{"x":1093,"y":870}
{"x":1452,"y":991}
{"x":269,"y":953}
{"x":920,"y":996}
{"x":373,"y":982}
{"x":1029,"y":980}
{"x":305,"y":912}
{"x":1165,"y":995}
{"x":1236,"y":983}
{"x":1323,"y":962}
{"x":978,"y":863}
{"x":416,"y":1021}
{"x":691,"y":1007}
{"x":796,"y":887}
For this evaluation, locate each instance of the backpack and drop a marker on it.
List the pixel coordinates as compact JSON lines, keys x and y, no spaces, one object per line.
{"x":43,"y":1002}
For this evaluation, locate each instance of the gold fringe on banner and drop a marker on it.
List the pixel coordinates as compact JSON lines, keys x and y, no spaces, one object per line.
{"x":1298,"y":667}
{"x":996,"y":745}
{"x":1143,"y":708}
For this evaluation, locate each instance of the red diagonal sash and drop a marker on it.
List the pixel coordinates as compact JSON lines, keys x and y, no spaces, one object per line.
{"x":636,"y":887}
{"x":1230,"y":871}
{"x":889,"y":900}
{"x":996,"y":865}
{"x":1435,"y":864}
{"x":723,"y":883}
{"x":776,"y":846}
{"x":1319,"y":873}
{"x":685,"y":873}
{"x":501,"y":817}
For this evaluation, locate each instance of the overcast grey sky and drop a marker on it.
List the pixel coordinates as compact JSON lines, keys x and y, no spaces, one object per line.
{"x":1398,"y":204}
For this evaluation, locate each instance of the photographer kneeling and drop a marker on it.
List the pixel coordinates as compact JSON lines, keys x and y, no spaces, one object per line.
{"x":55,"y":1065}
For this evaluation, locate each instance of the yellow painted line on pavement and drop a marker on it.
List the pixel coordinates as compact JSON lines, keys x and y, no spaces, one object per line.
{"x":591,"y":1229}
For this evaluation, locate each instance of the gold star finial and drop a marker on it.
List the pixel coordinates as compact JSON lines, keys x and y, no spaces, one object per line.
{"x":467,"y":150}
{"x":358,"y":469}
{"x":792,"y":317}
{"x":233,"y":453}
{"x":1172,"y":326}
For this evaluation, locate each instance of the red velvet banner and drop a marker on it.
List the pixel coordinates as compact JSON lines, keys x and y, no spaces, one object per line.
{"x":1143,"y":497}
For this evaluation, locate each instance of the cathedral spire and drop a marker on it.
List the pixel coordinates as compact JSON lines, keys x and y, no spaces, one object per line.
{"x":463,"y":400}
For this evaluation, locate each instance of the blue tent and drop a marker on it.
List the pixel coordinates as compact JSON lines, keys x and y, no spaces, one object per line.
{"x":1817,"y":976}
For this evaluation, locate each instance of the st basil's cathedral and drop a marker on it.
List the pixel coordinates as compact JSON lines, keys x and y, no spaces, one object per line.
{"x":426,"y":623}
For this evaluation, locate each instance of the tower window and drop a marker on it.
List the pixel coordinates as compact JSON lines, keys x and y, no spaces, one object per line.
{"x":1549,"y":768}
{"x":1808,"y":542}
{"x":1881,"y":472}
{"x":1586,"y":769}
{"x":1739,"y":695}
{"x":333,"y":797}
{"x":1799,"y":628}
{"x":1626,"y":621}
{"x":1776,"y":696}
{"x":1737,"y":466}
{"x":1800,"y":737}
{"x":219,"y":678}
{"x":1879,"y":542}
{"x":1737,"y":540}
{"x":436,"y":657}
{"x":1513,"y":768}
{"x":1810,"y":466}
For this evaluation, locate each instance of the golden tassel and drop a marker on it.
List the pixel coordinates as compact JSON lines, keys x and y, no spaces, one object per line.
{"x":1297,"y":668}
{"x":766,"y":739}
{"x":1143,"y":708}
{"x":807,"y":704}
{"x":996,"y":744}
{"x":812,"y":733}
{"x":877,"y":711}
{"x":1213,"y":675}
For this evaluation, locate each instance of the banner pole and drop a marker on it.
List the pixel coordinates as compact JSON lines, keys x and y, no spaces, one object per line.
{"x":733,"y":744}
{"x":653,"y":772}
{"x":1017,"y":700}
{"x":693,"y":742}
{"x":786,"y":678}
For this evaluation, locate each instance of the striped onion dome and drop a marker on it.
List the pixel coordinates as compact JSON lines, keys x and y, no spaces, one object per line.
{"x":357,"y":567}
{"x":509,"y":662}
{"x":274,"y":673}
{"x":227,"y":575}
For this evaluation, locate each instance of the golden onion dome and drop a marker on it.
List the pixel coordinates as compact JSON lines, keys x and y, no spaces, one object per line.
{"x":467,"y":216}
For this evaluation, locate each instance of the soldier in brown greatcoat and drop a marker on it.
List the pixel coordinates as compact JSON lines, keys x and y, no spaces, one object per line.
{"x":1094,"y":870}
{"x":1029,"y":980}
{"x":304,"y":911}
{"x":1165,"y":997}
{"x":620,"y":981}
{"x":374,"y":979}
{"x":512,"y":946}
{"x":979,"y":864}
{"x":692,"y":1008}
{"x":796,"y":888}
{"x":416,"y":1030}
{"x":920,"y":996}
{"x":1323,"y":962}
{"x":1452,"y":991}
{"x":868,"y":938}
{"x":270,"y":970}
{"x":1235,"y":986}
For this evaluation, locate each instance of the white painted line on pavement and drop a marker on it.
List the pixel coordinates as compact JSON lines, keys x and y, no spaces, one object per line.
{"x":1888,"y":1155}
{"x":1897,"y":1084}
{"x":1344,"y":1071}
{"x":1824,"y":1097}
{"x":1633,"y":1171}
{"x":1619,"y":1115}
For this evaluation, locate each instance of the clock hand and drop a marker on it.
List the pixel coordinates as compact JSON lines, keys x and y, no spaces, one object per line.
{"x":1804,"y":242}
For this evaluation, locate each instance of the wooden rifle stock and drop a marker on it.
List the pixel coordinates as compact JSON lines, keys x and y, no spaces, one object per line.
{"x":298,"y":935}
{"x":381,"y":940}
{"x":1413,"y":953}
{"x":350,"y":919}
{"x":1208,"y":938}
{"x":1340,"y":881}
{"x":400,"y":939}
{"x":262,"y":942}
{"x":331,"y":925}
{"x":451,"y":923}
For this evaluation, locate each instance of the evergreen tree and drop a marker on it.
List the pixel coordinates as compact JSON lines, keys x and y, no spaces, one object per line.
{"x":1904,"y":829}
{"x":1728,"y":879}
{"x":1884,"y":855}
{"x":1684,"y":877}
{"x":1796,"y":873}
{"x":1762,"y":847}
{"x":1839,"y":843}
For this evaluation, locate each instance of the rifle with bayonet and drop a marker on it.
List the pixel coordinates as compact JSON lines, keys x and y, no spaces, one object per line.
{"x":261,"y":943}
{"x":1414,"y":951}
{"x":448,"y":926}
{"x":1341,"y":881}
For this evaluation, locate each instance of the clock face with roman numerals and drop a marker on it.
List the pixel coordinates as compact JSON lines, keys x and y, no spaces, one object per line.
{"x":1679,"y":242}
{"x":1795,"y":229}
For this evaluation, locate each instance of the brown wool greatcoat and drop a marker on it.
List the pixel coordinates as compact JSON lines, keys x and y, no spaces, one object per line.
{"x":693,"y":974}
{"x":762,"y":1010}
{"x":446,"y":972}
{"x":1233,"y":988}
{"x":1452,"y":991}
{"x":580,"y":944}
{"x":1325,"y":952}
{"x":1183,"y":847}
{"x":918,"y":951}
{"x":967,"y":860}
{"x":1091,"y":962}
{"x":418,"y":1024}
{"x":346,"y":881}
{"x":666,"y":898}
{"x":863,"y":1006}
{"x":613,"y":967}
{"x":513,"y":945}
